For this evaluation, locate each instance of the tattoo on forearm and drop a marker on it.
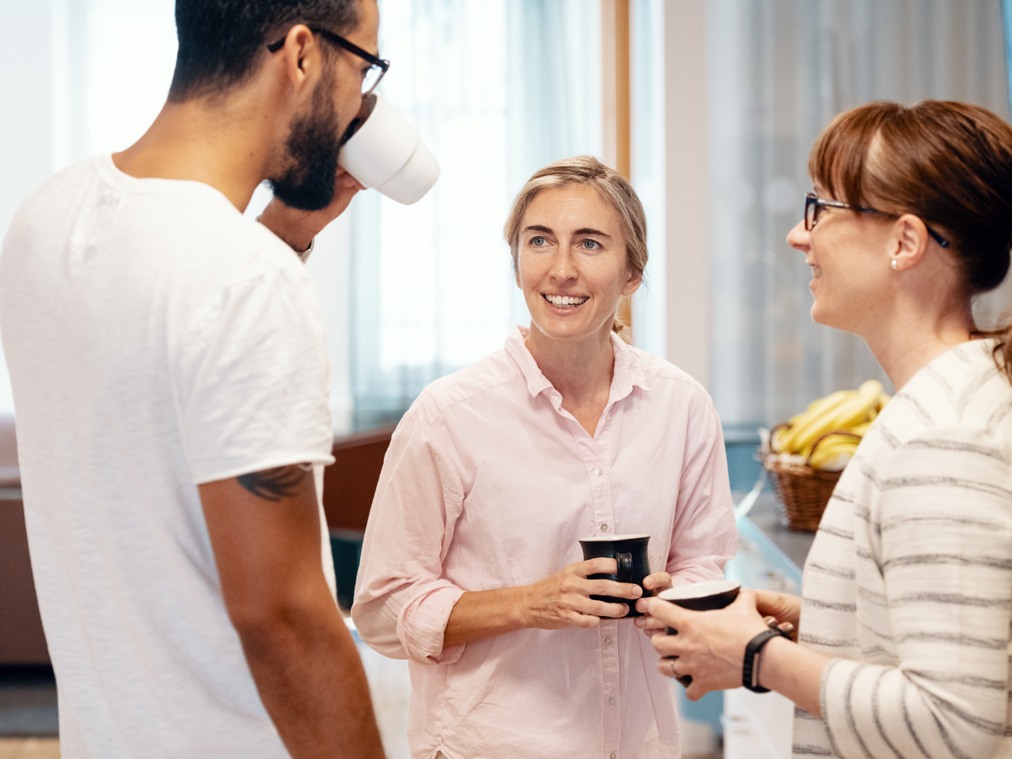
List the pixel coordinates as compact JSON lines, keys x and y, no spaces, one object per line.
{"x":273,"y":484}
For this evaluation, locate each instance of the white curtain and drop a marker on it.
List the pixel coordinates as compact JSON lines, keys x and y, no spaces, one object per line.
{"x":78,"y":77}
{"x":497,"y":89}
{"x":778,"y":71}
{"x":647,"y":94}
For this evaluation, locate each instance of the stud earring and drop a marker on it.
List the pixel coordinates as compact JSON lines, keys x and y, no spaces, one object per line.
{"x":893,"y":264}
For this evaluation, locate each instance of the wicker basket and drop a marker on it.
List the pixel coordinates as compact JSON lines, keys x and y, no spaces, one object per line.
{"x":802,"y":490}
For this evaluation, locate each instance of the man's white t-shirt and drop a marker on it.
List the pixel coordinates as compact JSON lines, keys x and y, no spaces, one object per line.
{"x":156,"y":340}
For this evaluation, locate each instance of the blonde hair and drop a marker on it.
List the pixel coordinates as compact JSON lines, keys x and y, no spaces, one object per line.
{"x":613,"y":187}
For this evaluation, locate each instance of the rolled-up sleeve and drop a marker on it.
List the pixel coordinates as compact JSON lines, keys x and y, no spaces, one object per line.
{"x":402,"y":599}
{"x":705,"y":535}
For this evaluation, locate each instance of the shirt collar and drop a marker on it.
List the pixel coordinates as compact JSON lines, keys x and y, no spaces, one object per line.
{"x":630,"y":371}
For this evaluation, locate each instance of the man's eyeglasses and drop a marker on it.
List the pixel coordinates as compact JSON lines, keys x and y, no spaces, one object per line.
{"x":372,"y":76}
{"x":815,"y":204}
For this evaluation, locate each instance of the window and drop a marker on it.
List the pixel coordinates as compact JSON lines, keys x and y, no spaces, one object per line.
{"x":776,"y":72}
{"x":500,"y":88}
{"x":86,"y":77}
{"x":497,"y":89}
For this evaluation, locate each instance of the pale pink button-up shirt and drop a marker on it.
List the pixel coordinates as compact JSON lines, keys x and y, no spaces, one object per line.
{"x":489,"y":483}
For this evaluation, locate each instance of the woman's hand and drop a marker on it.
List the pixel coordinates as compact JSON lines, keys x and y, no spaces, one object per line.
{"x":654,"y":583}
{"x":561,"y":600}
{"x":710,"y":645}
{"x":564,"y":599}
{"x":781,"y":609}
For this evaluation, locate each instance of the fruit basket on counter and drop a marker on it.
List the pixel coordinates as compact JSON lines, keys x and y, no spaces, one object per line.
{"x":804,"y":456}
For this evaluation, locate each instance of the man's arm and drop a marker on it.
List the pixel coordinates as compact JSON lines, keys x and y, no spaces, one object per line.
{"x":265,"y":532}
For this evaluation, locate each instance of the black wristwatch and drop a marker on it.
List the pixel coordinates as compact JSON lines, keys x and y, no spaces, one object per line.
{"x":750,"y":668}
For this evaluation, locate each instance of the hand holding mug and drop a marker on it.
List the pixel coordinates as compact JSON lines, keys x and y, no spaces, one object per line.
{"x":631,"y":558}
{"x":653,"y":584}
{"x":705,"y":645}
{"x":573,"y":596}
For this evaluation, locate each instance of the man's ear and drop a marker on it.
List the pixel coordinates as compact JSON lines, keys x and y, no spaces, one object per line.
{"x":301,"y":54}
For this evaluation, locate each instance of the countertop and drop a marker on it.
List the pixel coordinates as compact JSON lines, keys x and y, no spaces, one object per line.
{"x":770,"y":555}
{"x":767,"y":515}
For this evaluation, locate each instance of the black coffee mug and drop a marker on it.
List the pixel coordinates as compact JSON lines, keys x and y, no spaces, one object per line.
{"x":630,"y":553}
{"x":700,"y":596}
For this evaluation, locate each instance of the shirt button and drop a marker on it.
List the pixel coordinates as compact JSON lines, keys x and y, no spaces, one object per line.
{"x":604,"y":528}
{"x":607,"y":641}
{"x":598,"y":471}
{"x":611,"y":701}
{"x":613,"y":755}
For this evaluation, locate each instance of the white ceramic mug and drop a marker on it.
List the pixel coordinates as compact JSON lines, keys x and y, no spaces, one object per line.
{"x":387,"y":154}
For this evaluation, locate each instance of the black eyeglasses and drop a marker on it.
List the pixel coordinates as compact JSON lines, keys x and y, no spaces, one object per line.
{"x":815,"y":204}
{"x":370,"y":78}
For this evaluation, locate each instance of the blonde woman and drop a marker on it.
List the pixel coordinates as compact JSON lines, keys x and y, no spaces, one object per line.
{"x":471,"y":567}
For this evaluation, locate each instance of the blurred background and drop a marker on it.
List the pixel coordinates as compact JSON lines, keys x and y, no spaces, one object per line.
{"x":708,"y":106}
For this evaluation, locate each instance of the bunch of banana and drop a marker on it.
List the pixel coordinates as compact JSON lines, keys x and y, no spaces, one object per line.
{"x":836,"y":422}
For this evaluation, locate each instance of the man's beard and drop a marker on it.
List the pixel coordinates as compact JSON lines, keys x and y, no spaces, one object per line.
{"x":307,"y":183}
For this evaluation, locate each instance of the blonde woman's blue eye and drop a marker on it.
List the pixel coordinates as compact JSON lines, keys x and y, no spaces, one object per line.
{"x":537,"y":241}
{"x":590,"y":244}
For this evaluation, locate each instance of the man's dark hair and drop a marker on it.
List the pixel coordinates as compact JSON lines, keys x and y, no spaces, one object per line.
{"x":219,"y":39}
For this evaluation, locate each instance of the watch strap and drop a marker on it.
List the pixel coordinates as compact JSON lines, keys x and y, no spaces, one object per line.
{"x":750,"y":666}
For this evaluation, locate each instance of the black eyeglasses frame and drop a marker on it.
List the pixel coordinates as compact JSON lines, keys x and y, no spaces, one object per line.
{"x":378,"y":63}
{"x":813,"y":203}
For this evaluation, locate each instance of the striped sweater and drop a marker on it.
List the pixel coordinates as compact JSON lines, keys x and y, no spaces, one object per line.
{"x":908,"y":585}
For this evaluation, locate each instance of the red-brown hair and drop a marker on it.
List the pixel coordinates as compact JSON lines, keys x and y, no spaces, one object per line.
{"x":948,"y":163}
